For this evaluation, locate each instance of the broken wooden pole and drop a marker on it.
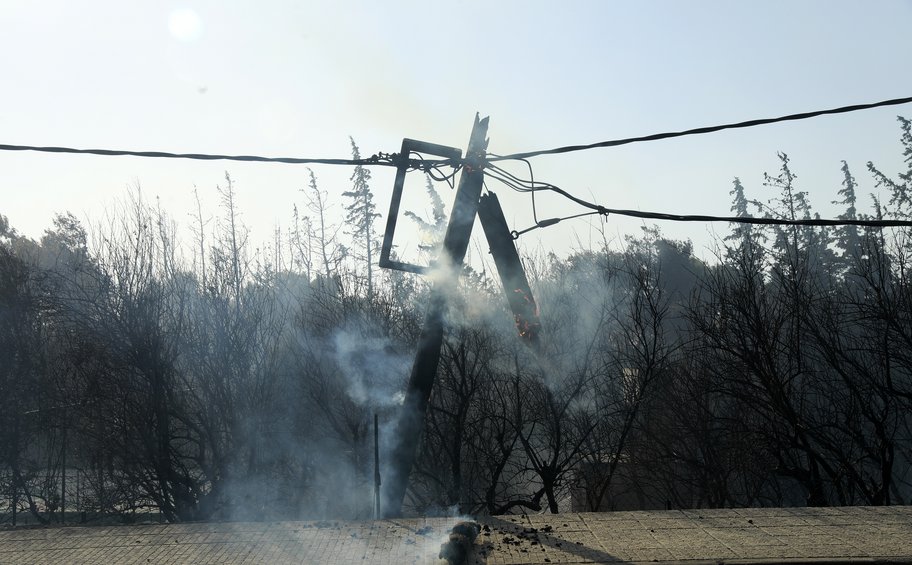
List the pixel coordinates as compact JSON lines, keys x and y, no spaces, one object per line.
{"x":424,"y":370}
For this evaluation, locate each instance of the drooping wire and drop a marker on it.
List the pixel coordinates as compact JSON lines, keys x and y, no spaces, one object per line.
{"x":601,"y":210}
{"x":521,"y":185}
{"x":702,"y":130}
{"x":530,"y":186}
{"x":502,"y":178}
{"x":521,"y":182}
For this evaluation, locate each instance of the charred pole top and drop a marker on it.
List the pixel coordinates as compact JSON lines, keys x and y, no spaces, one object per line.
{"x":424,"y":370}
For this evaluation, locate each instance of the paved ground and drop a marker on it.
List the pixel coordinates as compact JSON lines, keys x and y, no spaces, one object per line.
{"x":771,"y":535}
{"x":709,"y":536}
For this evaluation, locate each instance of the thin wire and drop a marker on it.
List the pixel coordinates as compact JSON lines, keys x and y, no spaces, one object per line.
{"x":511,"y":180}
{"x":531,"y":182}
{"x":431,"y":167}
{"x":702,"y":130}
{"x":549,"y":222}
{"x":522,"y":186}
{"x":510,"y":183}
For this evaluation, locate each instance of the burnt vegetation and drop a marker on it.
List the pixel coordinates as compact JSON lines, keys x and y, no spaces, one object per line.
{"x":211,"y":380}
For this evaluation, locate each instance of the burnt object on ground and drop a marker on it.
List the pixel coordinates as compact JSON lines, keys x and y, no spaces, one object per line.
{"x":457,"y":548}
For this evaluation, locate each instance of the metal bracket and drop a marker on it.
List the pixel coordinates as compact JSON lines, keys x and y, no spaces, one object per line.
{"x":408,"y":146}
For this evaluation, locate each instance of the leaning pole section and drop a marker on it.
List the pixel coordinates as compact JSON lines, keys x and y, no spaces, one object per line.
{"x":424,"y":370}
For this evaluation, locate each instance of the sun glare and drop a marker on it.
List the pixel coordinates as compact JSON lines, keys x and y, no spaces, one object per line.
{"x":184,"y":24}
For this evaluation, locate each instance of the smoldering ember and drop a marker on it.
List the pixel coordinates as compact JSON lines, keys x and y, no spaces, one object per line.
{"x":149,"y":379}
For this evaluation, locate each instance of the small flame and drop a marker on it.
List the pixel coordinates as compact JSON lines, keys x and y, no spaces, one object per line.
{"x":526,"y":318}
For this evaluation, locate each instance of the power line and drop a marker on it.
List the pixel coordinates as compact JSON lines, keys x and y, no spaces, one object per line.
{"x":531,"y":186}
{"x":549,"y":222}
{"x":394,"y":160}
{"x":702,"y":130}
{"x":383,"y":159}
{"x":601,"y":210}
{"x":758,"y":221}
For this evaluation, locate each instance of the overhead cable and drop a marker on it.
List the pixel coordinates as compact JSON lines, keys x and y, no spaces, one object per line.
{"x":531,"y":186}
{"x":393,"y":160}
{"x":758,"y":221}
{"x":702,"y":130}
{"x":704,"y":218}
{"x":383,"y":159}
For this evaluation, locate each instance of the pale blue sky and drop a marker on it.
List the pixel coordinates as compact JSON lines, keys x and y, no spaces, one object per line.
{"x":297,"y":78}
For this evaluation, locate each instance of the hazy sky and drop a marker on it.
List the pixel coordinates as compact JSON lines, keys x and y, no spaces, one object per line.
{"x":297,"y":78}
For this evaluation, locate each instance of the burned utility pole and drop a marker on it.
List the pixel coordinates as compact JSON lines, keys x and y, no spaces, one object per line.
{"x":510,"y":268}
{"x":424,"y":370}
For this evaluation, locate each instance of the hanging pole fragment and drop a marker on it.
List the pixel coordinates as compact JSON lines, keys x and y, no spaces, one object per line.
{"x":510,"y":268}
{"x":424,"y":370}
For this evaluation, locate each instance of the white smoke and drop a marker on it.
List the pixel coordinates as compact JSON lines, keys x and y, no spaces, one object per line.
{"x":372,"y":368}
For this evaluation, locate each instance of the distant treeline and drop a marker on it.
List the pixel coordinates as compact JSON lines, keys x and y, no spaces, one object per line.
{"x":210,"y":379}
